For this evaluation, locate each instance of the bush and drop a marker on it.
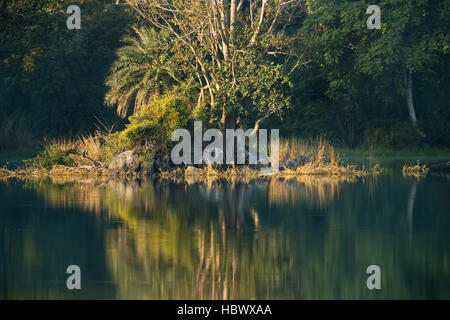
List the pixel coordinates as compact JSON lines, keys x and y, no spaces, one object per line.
{"x":149,"y":131}
{"x":56,"y":152}
{"x":393,"y":134}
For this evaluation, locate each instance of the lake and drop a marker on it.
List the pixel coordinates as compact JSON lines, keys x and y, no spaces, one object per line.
{"x":298,"y":238}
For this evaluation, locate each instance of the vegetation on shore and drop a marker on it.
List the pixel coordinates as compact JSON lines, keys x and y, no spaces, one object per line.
{"x":309,"y":68}
{"x":418,"y":170}
{"x":89,"y":155}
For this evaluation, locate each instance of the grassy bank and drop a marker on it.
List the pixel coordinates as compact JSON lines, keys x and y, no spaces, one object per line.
{"x":88,"y":156}
{"x":382,"y":154}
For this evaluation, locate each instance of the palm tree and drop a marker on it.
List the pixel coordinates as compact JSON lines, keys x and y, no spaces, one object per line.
{"x":143,"y":69}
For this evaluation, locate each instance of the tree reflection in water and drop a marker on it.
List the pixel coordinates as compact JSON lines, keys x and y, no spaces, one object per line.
{"x":302,"y":237}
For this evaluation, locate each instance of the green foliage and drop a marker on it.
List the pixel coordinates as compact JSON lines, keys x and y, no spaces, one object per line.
{"x":56,"y":152}
{"x":350,"y":88}
{"x":143,"y":69}
{"x":202,"y":112}
{"x":261,"y":87}
{"x":392,"y":135}
{"x":149,"y":131}
{"x":239,"y":64}
{"x":52,"y":74}
{"x":354,"y":89}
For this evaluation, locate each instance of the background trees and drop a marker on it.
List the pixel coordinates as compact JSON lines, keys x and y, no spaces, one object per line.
{"x":52,"y":78}
{"x":313,"y":63}
{"x":372,"y":81}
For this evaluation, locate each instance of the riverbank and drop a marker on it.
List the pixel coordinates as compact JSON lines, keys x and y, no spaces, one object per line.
{"x":87,"y":158}
{"x":385,"y":155}
{"x":191,"y":171}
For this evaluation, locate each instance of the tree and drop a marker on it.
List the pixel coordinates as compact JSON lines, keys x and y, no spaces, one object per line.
{"x":143,"y":69}
{"x":412,"y":41}
{"x":52,"y":78}
{"x":240,"y":52}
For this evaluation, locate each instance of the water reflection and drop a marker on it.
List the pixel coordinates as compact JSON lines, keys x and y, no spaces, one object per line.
{"x":300,"y":238}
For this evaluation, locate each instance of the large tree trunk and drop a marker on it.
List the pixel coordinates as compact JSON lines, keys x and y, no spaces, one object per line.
{"x":233,"y":11}
{"x":228,"y":121}
{"x":410,"y":101}
{"x":409,"y":98}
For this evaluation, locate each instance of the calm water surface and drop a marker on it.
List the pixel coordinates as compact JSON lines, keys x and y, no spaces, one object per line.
{"x":303,"y":238}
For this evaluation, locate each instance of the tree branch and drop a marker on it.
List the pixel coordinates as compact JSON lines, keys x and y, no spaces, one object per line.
{"x":258,"y":27}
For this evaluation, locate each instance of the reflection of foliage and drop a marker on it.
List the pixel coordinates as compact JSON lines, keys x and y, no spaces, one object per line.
{"x":309,"y":189}
{"x":208,"y":266}
{"x":231,"y":240}
{"x":180,"y":254}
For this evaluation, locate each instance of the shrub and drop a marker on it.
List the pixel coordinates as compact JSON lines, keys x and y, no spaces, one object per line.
{"x":393,"y":134}
{"x":56,"y":152}
{"x":150,"y":130}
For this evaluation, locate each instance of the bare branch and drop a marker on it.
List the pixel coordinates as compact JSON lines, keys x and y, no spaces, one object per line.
{"x":261,"y":18}
{"x":233,"y":12}
{"x":280,"y":7}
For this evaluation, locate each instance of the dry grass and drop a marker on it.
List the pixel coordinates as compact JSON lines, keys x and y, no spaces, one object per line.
{"x":208,"y":171}
{"x":64,"y":157}
{"x":416,"y":170}
{"x":92,"y":146}
{"x":330,"y":169}
{"x":84,"y":151}
{"x":5,"y":173}
{"x":55,"y":171}
{"x":319,"y":150}
{"x":80,"y":171}
{"x":59,"y":143}
{"x":323,"y":159}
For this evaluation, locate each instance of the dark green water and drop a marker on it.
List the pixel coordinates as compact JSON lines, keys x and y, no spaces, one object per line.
{"x":298,"y":239}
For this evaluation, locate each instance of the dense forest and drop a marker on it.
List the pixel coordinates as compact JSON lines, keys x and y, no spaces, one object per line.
{"x":311,"y":68}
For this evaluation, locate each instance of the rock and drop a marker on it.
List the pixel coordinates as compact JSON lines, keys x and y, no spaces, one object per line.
{"x":301,"y":160}
{"x":193,"y":171}
{"x":290,"y":164}
{"x":264,"y":161}
{"x":263,"y":164}
{"x":295,"y":162}
{"x":127,"y":161}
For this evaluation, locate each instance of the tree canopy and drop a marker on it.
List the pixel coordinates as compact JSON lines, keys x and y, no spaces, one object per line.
{"x":240,"y":52}
{"x":307,"y":67}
